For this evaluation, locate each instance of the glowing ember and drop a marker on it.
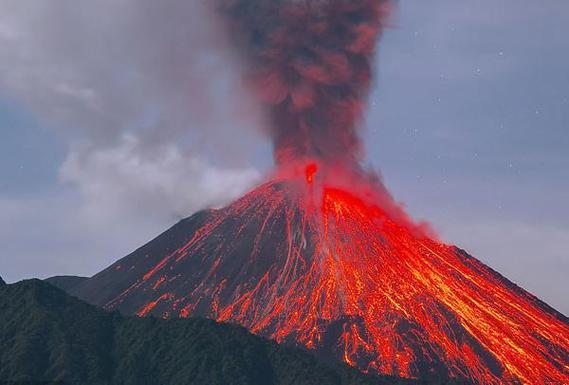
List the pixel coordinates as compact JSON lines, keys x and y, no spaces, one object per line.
{"x":311,"y":170}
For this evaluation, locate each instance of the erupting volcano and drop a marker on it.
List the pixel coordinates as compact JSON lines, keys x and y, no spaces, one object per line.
{"x":320,"y":255}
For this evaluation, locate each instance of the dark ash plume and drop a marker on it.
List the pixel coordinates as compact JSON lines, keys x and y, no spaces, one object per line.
{"x":310,"y":63}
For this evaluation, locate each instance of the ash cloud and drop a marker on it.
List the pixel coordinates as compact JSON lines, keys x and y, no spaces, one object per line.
{"x":310,"y":64}
{"x":164,"y":75}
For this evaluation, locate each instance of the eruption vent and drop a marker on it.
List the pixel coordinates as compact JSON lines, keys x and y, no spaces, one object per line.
{"x":320,"y":256}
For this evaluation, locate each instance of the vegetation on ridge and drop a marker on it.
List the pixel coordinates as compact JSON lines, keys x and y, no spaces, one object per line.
{"x":47,"y":335}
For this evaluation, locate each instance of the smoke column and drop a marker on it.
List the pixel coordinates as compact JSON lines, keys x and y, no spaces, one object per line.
{"x":310,"y":63}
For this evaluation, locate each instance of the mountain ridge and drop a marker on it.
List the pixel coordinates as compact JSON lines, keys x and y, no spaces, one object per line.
{"x":48,"y":335}
{"x":66,"y":282}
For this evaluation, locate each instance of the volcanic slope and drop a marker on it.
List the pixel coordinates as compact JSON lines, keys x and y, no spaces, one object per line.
{"x":329,"y":271}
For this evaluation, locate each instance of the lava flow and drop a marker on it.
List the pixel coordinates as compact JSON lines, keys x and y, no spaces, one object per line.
{"x":320,"y":255}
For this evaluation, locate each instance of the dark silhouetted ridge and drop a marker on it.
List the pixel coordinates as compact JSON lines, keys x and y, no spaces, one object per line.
{"x":47,"y":335}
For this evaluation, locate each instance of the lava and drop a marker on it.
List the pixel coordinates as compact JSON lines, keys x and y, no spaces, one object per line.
{"x":311,"y":170}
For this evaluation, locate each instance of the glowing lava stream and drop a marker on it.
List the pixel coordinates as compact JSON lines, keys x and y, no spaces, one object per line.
{"x":345,"y":278}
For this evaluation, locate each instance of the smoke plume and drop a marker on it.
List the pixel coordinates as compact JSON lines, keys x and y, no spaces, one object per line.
{"x":309,"y":62}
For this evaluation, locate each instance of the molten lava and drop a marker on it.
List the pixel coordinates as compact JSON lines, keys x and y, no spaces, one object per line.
{"x":348,"y":280}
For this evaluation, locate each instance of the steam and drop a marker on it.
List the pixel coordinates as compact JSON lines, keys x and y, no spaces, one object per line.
{"x":309,"y":62}
{"x":137,"y":86}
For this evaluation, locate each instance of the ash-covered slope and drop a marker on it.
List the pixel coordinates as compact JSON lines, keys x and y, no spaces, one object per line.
{"x":340,"y":277}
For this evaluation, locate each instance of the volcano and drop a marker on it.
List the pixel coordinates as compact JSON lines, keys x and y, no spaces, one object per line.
{"x":320,"y":255}
{"x":326,"y":268}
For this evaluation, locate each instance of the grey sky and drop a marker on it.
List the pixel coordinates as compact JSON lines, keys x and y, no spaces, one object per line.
{"x":469,"y":126}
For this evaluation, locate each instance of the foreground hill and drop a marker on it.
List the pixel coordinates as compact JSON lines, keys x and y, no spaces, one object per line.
{"x":47,"y":335}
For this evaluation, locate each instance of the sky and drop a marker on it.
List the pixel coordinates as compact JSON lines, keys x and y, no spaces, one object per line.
{"x":117,"y":119}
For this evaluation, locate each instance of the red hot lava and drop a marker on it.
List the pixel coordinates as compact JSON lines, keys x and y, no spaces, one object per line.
{"x":311,"y":170}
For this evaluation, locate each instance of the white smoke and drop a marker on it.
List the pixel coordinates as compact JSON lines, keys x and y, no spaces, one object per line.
{"x":142,"y":92}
